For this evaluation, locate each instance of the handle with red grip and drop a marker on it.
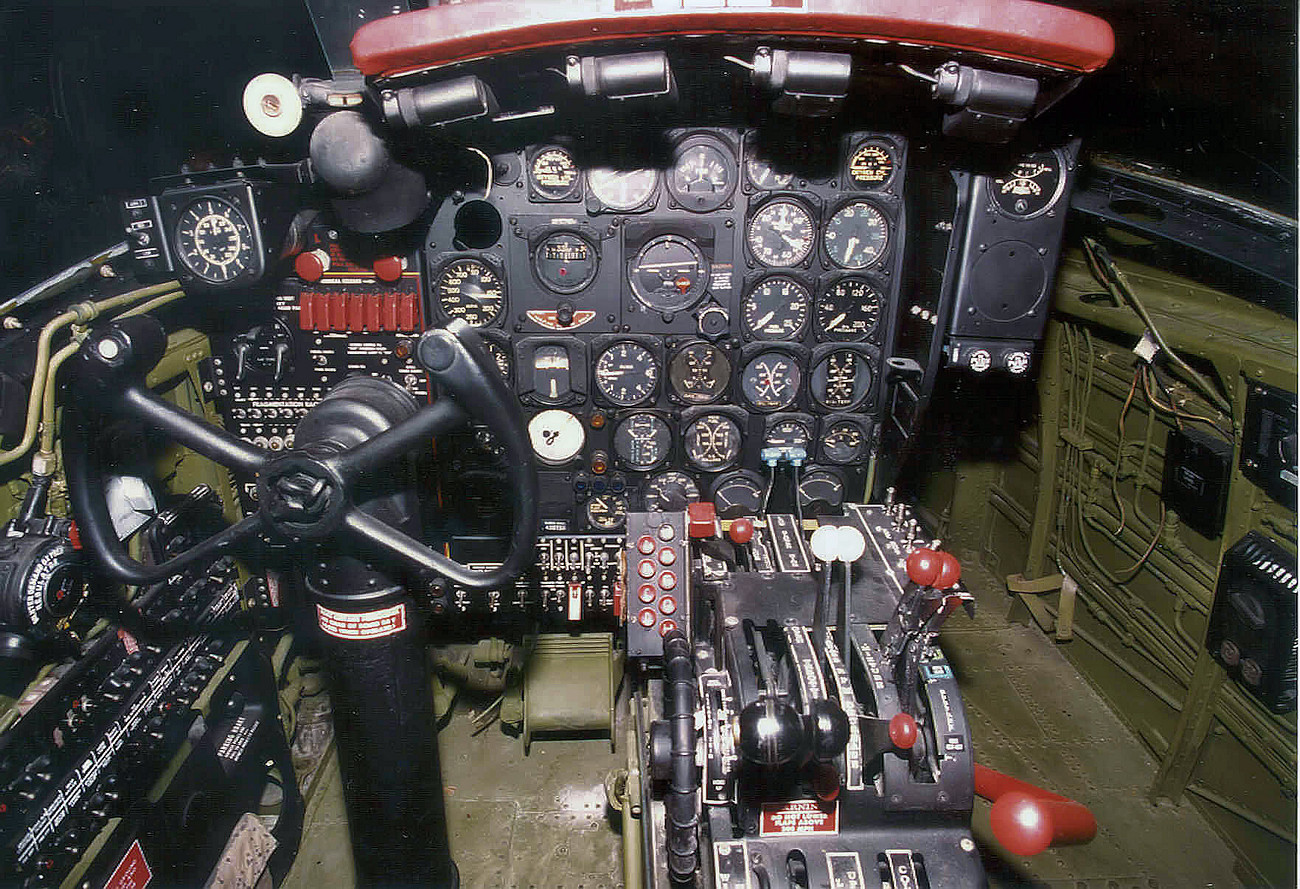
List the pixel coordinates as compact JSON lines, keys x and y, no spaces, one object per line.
{"x":1027,"y":819}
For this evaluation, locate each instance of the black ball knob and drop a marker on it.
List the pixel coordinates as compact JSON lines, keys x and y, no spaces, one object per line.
{"x":770,"y":732}
{"x":828,"y":730}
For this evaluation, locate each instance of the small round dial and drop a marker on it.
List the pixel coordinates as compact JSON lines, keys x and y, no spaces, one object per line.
{"x":872,"y":165}
{"x":849,"y":310}
{"x":762,"y":175}
{"x":557,"y":436}
{"x":607,"y":512}
{"x":770,"y":381}
{"x":703,"y":175}
{"x":738,"y":493}
{"x":627,"y":374}
{"x":841,"y":380}
{"x":642,"y":441}
{"x":698,"y":373}
{"x":670,"y":492}
{"x":844,"y":442}
{"x":501,"y":357}
{"x":554,"y":174}
{"x":470,"y":290}
{"x":712,"y":442}
{"x":776,"y":309}
{"x":622,"y":189}
{"x":820,"y":492}
{"x":669,"y":273}
{"x":857,"y":235}
{"x":214,"y":240}
{"x":788,"y":434}
{"x":781,"y":234}
{"x":565,"y":262}
{"x":1030,"y":187}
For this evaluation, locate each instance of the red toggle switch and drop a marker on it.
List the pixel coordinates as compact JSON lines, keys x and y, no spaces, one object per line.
{"x":311,"y":265}
{"x":741,"y":531}
{"x":388,"y":268}
{"x":388,"y":320}
{"x":902,"y":731}
{"x":408,"y":314}
{"x":338,"y":312}
{"x":306,"y":315}
{"x":356,"y":312}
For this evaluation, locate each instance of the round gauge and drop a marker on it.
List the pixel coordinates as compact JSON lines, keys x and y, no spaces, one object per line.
{"x":844,"y":442}
{"x":857,"y":235}
{"x":781,"y":233}
{"x":501,"y":357}
{"x":776,"y":309}
{"x":698,"y":373}
{"x":770,"y":381}
{"x":669,"y":273}
{"x":872,"y":165}
{"x":557,"y":436}
{"x":214,"y":240}
{"x":712,"y":442}
{"x":703,"y":175}
{"x":761,"y":175}
{"x":554,"y":174}
{"x":670,"y":492}
{"x":621,"y":189}
{"x":470,"y":290}
{"x":849,"y":310}
{"x":738,"y":493}
{"x":642,"y":441}
{"x":788,"y":434}
{"x":627,"y":374}
{"x":820,"y":492}
{"x":1030,"y":187}
{"x":565,"y":262}
{"x":841,"y":380}
{"x":607,"y":512}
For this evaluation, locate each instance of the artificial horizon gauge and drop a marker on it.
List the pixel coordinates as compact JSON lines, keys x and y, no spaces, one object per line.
{"x":712,"y":442}
{"x":565,"y":262}
{"x":842,"y":380}
{"x":1030,"y":187}
{"x":761,"y":175}
{"x":849,"y":310}
{"x":738,"y":493}
{"x":844,"y":442}
{"x":703,"y":174}
{"x":554,"y":174}
{"x":607,"y":512}
{"x":856,"y":236}
{"x":621,"y":189}
{"x":627,"y":374}
{"x":214,"y":240}
{"x":698,"y":373}
{"x":470,"y":290}
{"x":670,"y":492}
{"x":642,"y":441}
{"x":872,"y":165}
{"x":770,"y":381}
{"x":669,"y":273}
{"x":776,"y":309}
{"x":557,"y":436}
{"x":781,"y":234}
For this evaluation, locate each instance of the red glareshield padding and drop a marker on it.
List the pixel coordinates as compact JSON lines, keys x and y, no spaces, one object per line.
{"x":1023,"y":30}
{"x":1027,"y":819}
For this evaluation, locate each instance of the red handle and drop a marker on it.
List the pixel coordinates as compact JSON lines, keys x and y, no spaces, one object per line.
{"x":1027,"y":819}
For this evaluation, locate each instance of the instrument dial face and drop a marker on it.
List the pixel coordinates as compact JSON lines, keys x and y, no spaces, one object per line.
{"x":844,"y":442}
{"x":1030,"y":187}
{"x":501,"y":357}
{"x":788,"y":434}
{"x":712,"y":442}
{"x":841,"y":380}
{"x":857,"y":235}
{"x":565,"y":262}
{"x":470,"y":290}
{"x":642,"y":441}
{"x":670,"y":492}
{"x":669,"y":273}
{"x":551,"y":380}
{"x":872,"y":165}
{"x":627,"y":374}
{"x":698,"y":373}
{"x":737,"y":494}
{"x":557,"y":436}
{"x":776,"y":309}
{"x":781,"y":234}
{"x":770,"y":381}
{"x":554,"y":174}
{"x":622,"y":189}
{"x":849,"y":310}
{"x":214,"y":240}
{"x":703,"y":175}
{"x":607,"y":512}
{"x":821,"y":492}
{"x":761,"y":175}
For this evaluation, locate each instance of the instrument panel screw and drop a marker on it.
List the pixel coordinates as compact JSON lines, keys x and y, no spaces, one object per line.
{"x":967,"y":844}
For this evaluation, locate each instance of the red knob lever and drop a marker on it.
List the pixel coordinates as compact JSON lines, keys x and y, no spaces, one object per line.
{"x":741,"y":531}
{"x":928,"y":567}
{"x":1027,"y":819}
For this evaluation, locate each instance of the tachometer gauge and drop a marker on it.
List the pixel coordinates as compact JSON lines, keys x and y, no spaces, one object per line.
{"x":554,"y":174}
{"x":776,"y":309}
{"x":621,"y":189}
{"x":848,"y":311}
{"x":703,"y":175}
{"x":781,"y":234}
{"x":761,"y":175}
{"x":470,"y":290}
{"x":698,"y":373}
{"x":607,"y":512}
{"x":841,"y":380}
{"x":738,"y":493}
{"x":872,"y":165}
{"x":501,"y":356}
{"x":670,"y":492}
{"x":788,"y":434}
{"x":770,"y":381}
{"x":1030,"y":187}
{"x":820,"y":492}
{"x":844,"y":442}
{"x":565,"y":262}
{"x":712,"y":442}
{"x":557,"y":436}
{"x":669,"y":273}
{"x":642,"y":441}
{"x":857,"y":235}
{"x":627,"y":374}
{"x":215,"y":241}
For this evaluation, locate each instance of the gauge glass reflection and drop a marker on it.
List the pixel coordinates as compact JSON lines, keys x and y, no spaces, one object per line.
{"x":621,"y":189}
